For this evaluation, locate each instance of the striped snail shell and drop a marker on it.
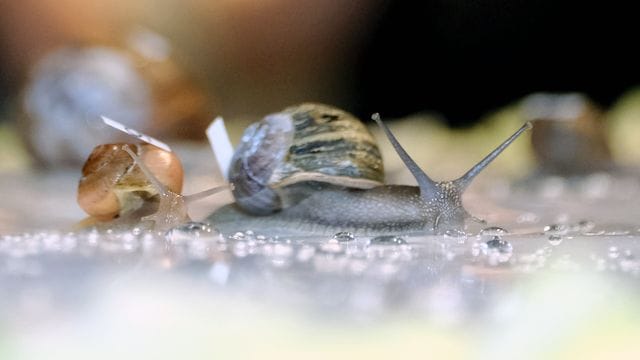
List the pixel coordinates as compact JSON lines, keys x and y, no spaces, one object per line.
{"x":302,"y":149}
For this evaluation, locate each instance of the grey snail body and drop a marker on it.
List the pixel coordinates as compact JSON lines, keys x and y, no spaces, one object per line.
{"x":385,"y":209}
{"x":325,"y":207}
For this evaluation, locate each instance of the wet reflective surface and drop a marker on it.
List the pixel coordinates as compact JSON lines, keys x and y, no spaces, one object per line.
{"x":554,"y":270}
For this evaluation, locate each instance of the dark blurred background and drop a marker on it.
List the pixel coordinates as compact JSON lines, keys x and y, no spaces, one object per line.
{"x":458,"y":58}
{"x":469,"y":57}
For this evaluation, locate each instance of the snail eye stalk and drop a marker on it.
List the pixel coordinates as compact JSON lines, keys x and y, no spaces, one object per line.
{"x":152,"y":178}
{"x":466,"y":179}
{"x":428,"y":187}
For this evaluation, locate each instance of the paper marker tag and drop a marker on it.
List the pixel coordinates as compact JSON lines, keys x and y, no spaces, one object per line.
{"x":220,"y":144}
{"x":146,"y":138}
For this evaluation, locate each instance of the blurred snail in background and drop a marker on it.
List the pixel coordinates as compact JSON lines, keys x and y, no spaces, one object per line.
{"x":138,"y":83}
{"x":569,"y":135}
{"x":131,"y":182}
{"x":313,"y":168}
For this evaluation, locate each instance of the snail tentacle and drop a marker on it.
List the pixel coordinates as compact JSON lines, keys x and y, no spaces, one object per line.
{"x":466,"y":179}
{"x":172,"y":209}
{"x":205,"y":193}
{"x":162,"y":190}
{"x":428,"y":187}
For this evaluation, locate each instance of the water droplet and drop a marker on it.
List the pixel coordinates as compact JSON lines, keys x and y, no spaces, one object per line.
{"x":237,"y":236}
{"x":182,"y":234}
{"x":614,"y":252}
{"x":556,"y":229}
{"x":493,"y":231}
{"x":458,"y":235}
{"x":278,"y":254}
{"x":497,"y":243}
{"x":555,"y":240}
{"x":343,"y":236}
{"x":497,"y":251}
{"x":195,"y":239}
{"x":387,"y":240}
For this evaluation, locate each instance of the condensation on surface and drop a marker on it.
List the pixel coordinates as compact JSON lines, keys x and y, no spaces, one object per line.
{"x":551,"y":248}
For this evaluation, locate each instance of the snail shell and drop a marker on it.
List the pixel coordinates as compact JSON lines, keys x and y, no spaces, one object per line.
{"x":69,"y":88}
{"x":304,"y":148}
{"x":112,"y":186}
{"x":569,"y":136}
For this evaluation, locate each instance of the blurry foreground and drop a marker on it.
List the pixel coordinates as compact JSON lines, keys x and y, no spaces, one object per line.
{"x":561,"y":282}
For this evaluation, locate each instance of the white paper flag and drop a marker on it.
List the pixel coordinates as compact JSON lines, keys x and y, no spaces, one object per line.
{"x":146,"y":138}
{"x":220,"y":144}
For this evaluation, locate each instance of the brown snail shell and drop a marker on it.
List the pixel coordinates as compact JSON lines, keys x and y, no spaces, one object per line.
{"x":112,"y":186}
{"x":569,"y":135}
{"x":303,"y":148}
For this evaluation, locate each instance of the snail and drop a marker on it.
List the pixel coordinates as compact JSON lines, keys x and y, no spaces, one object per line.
{"x":569,"y":137}
{"x":309,"y":144}
{"x":136,"y":81}
{"x":128,"y":183}
{"x":334,"y":194}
